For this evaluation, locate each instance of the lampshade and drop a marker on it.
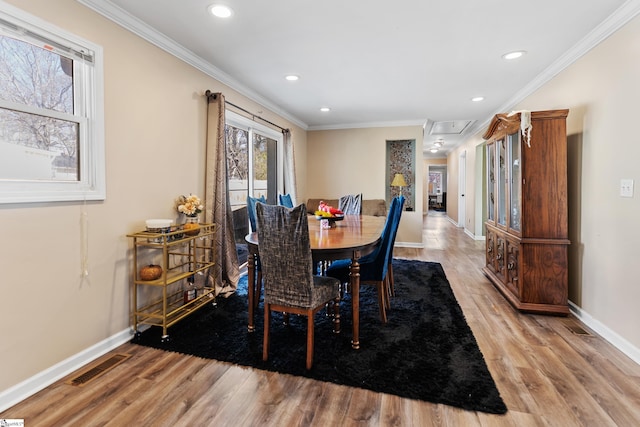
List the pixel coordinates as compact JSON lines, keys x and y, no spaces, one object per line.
{"x":398,"y":181}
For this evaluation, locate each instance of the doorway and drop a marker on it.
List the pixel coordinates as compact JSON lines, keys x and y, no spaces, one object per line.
{"x":436,"y":188}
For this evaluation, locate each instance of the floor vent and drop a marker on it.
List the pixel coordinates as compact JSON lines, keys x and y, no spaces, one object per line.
{"x":96,"y":371}
{"x":576,"y":329}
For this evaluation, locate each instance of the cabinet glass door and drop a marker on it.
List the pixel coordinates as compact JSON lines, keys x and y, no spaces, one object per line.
{"x":515,"y":187}
{"x":491,"y":182}
{"x":502,"y":182}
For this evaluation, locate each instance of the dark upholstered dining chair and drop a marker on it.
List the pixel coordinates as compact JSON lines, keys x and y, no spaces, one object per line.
{"x":374,"y":267}
{"x":251,"y":212}
{"x":285,"y":200}
{"x":289,"y":284}
{"x":392,"y":286}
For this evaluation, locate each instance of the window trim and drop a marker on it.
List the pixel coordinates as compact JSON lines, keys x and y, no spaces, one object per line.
{"x":88,"y":58}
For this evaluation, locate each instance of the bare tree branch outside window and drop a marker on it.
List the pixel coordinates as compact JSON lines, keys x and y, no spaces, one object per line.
{"x":36,"y":141}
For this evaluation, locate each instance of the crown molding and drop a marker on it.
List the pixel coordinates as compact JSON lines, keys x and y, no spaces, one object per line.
{"x":148,"y":33}
{"x":390,"y":124}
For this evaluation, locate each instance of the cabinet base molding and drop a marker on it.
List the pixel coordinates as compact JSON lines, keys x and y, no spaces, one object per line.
{"x":525,"y":307}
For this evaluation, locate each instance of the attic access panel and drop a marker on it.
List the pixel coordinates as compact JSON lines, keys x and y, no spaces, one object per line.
{"x":451,"y":127}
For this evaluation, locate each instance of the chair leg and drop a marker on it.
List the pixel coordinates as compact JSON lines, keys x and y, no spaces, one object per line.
{"x":382,"y":300}
{"x":387,"y":292}
{"x":265,"y":339}
{"x":392,"y":287}
{"x":336,"y":316}
{"x":310,"y":333}
{"x":258,"y":289}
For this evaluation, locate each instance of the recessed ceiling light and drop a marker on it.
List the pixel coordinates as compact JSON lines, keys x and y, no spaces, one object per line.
{"x":220,"y":10}
{"x":292,"y":77}
{"x":434,"y":150}
{"x":325,"y":109}
{"x":477,"y":98}
{"x":514,"y":55}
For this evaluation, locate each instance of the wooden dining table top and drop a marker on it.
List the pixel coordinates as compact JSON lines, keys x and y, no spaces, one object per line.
{"x":354,"y":232}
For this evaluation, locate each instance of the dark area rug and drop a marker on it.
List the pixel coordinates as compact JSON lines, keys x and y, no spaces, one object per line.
{"x":426,"y":351}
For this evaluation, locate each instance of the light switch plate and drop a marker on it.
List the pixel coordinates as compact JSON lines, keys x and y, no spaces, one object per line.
{"x":626,"y":188}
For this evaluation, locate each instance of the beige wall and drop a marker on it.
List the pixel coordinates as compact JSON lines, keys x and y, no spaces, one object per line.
{"x":155,"y":120}
{"x":602,"y":91}
{"x":351,"y":161}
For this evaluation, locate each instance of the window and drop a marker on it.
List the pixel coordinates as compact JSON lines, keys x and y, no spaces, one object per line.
{"x":253,"y":155}
{"x":51,"y":119}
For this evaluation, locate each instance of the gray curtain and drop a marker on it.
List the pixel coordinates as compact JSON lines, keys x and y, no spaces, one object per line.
{"x":289,"y":167}
{"x":226,"y":273}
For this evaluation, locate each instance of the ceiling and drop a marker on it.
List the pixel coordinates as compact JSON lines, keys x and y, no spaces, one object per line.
{"x":378,"y":63}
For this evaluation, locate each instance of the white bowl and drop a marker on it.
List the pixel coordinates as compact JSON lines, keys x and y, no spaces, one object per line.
{"x":159,"y":223}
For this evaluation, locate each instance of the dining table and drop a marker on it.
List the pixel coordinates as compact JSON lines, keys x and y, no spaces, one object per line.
{"x":348,"y":238}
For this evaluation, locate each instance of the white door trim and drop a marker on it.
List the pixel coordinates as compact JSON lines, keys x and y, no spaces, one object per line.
{"x":462,"y":184}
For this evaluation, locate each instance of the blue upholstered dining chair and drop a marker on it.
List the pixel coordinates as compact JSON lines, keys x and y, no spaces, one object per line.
{"x":374,"y":266}
{"x":391,"y":282}
{"x":251,"y":213}
{"x":251,"y":210}
{"x":285,"y":200}
{"x":289,"y":284}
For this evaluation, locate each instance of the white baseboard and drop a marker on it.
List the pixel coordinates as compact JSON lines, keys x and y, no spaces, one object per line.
{"x":32,"y":385}
{"x":610,"y":336}
{"x":416,"y":245}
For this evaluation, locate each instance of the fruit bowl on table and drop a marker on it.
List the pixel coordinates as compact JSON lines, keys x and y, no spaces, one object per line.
{"x":331,"y":218}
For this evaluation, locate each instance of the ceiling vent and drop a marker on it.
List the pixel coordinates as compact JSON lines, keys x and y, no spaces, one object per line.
{"x":452,"y":127}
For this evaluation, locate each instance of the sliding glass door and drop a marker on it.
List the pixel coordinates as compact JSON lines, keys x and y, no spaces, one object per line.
{"x":254,"y":166}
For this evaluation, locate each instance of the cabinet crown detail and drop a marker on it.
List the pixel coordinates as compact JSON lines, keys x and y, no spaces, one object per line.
{"x":511,"y":122}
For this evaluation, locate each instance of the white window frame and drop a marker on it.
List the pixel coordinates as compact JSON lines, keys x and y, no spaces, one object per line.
{"x":241,"y":122}
{"x":89,"y":113}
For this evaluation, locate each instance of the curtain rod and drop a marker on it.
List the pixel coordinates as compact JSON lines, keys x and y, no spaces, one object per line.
{"x":210,"y":95}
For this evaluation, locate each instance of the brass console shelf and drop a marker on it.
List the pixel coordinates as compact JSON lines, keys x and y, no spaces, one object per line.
{"x":182,"y":255}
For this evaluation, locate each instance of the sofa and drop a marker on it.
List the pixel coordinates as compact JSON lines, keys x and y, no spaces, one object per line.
{"x":374,"y":207}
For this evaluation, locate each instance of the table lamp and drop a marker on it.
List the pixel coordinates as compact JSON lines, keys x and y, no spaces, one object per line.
{"x":398,"y":181}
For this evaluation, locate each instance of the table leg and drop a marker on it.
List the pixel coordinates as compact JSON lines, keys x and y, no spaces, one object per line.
{"x":354,"y":278}
{"x":251,"y":274}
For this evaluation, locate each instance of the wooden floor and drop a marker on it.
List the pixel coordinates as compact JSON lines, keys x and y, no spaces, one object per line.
{"x":550,"y":371}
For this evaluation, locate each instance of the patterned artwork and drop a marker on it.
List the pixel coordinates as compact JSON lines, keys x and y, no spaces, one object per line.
{"x":401,"y":159}
{"x":435,"y":182}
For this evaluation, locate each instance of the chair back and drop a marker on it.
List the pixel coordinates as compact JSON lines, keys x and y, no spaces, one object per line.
{"x":251,"y":210}
{"x":285,"y":200}
{"x":378,"y":258}
{"x":398,"y":214}
{"x":285,"y":254}
{"x":351,"y":204}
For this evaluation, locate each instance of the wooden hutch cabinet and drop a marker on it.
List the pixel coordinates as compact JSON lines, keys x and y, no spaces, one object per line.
{"x":527,"y":220}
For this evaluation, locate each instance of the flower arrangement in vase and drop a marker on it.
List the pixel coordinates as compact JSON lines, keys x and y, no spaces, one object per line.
{"x":190,"y":206}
